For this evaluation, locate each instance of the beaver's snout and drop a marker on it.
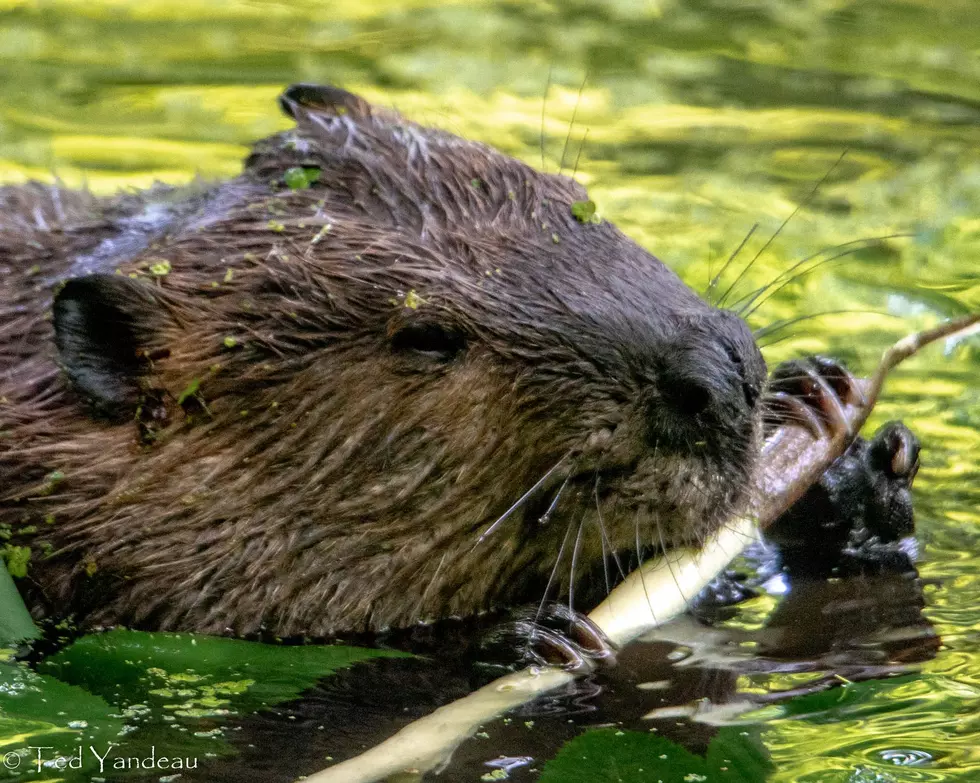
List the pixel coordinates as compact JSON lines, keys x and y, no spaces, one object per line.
{"x":709,"y":376}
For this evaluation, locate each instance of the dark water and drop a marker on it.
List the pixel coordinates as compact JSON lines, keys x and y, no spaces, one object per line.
{"x":690,"y":122}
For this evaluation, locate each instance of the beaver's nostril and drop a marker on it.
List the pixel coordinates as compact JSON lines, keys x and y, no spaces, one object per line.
{"x":687,"y":397}
{"x":750,"y":391}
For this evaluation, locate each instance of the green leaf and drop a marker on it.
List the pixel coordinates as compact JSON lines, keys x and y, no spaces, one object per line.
{"x":300,"y":177}
{"x":189,"y":390}
{"x":160,"y":267}
{"x":613,"y":756}
{"x":16,"y":624}
{"x":413,"y":300}
{"x":184,"y":672}
{"x":147,"y":694}
{"x":16,"y":559}
{"x":40,"y":716}
{"x":584,"y":212}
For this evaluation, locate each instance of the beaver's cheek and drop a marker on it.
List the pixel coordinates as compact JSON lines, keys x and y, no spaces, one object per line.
{"x":667,"y":499}
{"x":599,"y":441}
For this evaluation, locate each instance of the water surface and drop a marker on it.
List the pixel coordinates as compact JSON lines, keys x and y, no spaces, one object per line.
{"x":690,"y":122}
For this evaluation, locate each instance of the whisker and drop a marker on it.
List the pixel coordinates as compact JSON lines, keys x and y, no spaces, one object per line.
{"x":778,"y":340}
{"x":636,"y":540}
{"x":554,"y":570}
{"x":786,"y":378}
{"x":735,"y":252}
{"x":544,"y":106}
{"x":581,"y":147}
{"x":606,"y":543}
{"x":605,"y":561}
{"x":639,"y":548}
{"x":432,"y":581}
{"x":775,"y":326}
{"x":523,"y":499}
{"x":744,"y":310}
{"x":782,"y":225}
{"x":788,"y":418}
{"x":546,"y":516}
{"x":573,"y":564}
{"x":571,"y":125}
{"x":711,"y":279}
{"x":700,"y":538}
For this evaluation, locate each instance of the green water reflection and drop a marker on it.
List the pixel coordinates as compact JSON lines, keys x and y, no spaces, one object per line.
{"x":697,"y":120}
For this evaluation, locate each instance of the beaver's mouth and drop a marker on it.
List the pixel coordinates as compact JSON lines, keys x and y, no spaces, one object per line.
{"x":663,"y":501}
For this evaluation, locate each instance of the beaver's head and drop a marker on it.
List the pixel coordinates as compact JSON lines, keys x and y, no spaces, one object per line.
{"x":389,"y":374}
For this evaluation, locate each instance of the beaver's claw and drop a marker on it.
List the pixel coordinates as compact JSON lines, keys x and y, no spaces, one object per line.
{"x":811,"y":392}
{"x":554,"y":635}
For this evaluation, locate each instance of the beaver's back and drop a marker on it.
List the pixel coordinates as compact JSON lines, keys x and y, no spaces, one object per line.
{"x":41,"y":229}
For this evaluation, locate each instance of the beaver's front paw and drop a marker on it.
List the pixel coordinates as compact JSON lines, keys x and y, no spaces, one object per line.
{"x":550,"y":635}
{"x":862,"y":504}
{"x":813,"y":393}
{"x":865,"y":494}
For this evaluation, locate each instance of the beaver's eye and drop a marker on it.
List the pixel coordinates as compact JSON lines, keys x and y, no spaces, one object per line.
{"x":432,"y":340}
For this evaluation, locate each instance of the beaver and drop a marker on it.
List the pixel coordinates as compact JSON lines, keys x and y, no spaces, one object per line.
{"x":385,"y":375}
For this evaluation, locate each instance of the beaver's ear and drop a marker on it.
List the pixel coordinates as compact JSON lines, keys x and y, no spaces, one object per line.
{"x":322,"y":99}
{"x":103,"y":326}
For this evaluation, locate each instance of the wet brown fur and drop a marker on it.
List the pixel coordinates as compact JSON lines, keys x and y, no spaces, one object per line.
{"x":319,"y":476}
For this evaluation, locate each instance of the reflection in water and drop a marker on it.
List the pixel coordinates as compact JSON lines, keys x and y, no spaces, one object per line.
{"x":702,"y":119}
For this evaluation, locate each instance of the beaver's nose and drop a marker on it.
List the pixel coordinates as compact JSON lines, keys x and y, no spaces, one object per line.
{"x":688,"y":396}
{"x":711,"y":373}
